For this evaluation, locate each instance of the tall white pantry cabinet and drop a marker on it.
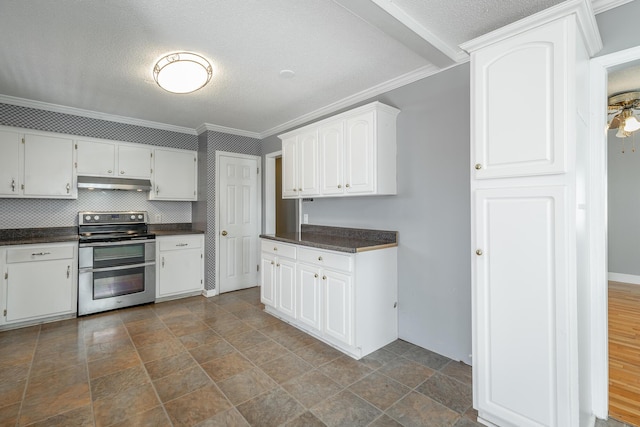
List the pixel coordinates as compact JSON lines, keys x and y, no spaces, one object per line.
{"x":529,"y":98}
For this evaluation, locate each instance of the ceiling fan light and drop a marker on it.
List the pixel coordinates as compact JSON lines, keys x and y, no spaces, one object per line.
{"x":182,"y":72}
{"x":631,"y":124}
{"x":622,"y":133}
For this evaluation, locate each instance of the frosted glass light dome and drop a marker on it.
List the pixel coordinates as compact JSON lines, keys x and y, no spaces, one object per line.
{"x":182,"y":72}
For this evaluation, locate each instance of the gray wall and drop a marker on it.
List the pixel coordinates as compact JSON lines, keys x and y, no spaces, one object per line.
{"x":618,"y":28}
{"x":431,"y":211}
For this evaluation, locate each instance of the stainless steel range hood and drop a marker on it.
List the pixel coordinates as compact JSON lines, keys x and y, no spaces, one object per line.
{"x":103,"y":183}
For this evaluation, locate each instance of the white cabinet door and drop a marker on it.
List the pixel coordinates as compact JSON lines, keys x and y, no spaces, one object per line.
{"x":286,"y":286}
{"x":96,"y":158}
{"x":512,"y":140}
{"x":308,"y":165}
{"x":9,"y":163}
{"x":289,"y":168}
{"x":268,"y":279}
{"x":174,"y":175}
{"x":338,"y":306}
{"x":331,"y":137}
{"x":308,"y":287}
{"x":520,"y":293}
{"x":179,"y":272}
{"x":134,"y":161}
{"x":360,"y":154}
{"x":48,"y":167}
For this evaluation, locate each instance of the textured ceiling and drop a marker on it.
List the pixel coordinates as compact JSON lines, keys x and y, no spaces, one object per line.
{"x":97,"y":55}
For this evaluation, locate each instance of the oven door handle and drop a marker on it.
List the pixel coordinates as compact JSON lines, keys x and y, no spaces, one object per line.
{"x":120,"y":267}
{"x":133,"y":241}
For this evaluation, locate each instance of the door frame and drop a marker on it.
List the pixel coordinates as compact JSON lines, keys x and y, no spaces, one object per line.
{"x":258,"y":160}
{"x":597,"y":214}
{"x":270,"y":191}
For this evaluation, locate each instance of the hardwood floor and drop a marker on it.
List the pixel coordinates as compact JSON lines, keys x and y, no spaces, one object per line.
{"x":624,"y":352}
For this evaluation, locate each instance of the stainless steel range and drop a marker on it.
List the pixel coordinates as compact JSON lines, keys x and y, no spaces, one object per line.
{"x":116,"y":261}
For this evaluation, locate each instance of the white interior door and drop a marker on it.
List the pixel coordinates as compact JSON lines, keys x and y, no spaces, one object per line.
{"x":238,"y":226}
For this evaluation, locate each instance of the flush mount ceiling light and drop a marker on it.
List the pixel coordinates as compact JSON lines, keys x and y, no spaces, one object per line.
{"x":182,"y":72}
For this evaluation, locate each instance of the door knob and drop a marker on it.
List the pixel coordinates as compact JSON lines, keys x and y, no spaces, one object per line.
{"x":224,"y":232}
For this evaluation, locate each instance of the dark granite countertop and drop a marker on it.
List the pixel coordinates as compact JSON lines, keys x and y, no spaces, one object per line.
{"x":173,"y":229}
{"x":340,"y":239}
{"x":27,"y":236}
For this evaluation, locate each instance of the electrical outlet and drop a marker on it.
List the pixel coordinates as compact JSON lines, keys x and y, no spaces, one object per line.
{"x":158,"y":218}
{"x":305,"y":218}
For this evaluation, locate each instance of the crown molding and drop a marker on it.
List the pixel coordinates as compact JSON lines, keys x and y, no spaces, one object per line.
{"x":405,"y":79}
{"x":28,"y":103}
{"x":233,"y":131}
{"x":585,"y":18}
{"x":600,"y":6}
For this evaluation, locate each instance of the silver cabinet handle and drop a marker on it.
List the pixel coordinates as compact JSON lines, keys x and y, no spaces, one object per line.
{"x":324,"y":277}
{"x":68,"y":271}
{"x":299,"y":189}
{"x":109,"y":171}
{"x":13,"y":185}
{"x":478,"y":166}
{"x":479,"y":252}
{"x":315,"y":275}
{"x":40,"y":253}
{"x":272,"y":263}
{"x":224,"y":232}
{"x":121,"y":172}
{"x":182,"y":244}
{"x":347,"y":186}
{"x":275,"y":248}
{"x":68,"y":188}
{"x":295,"y":189}
{"x":339,"y":185}
{"x":278,"y":265}
{"x":163,"y":261}
{"x":157,"y":189}
{"x":319,"y":258}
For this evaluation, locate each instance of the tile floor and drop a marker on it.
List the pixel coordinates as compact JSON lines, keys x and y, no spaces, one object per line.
{"x":217,"y":362}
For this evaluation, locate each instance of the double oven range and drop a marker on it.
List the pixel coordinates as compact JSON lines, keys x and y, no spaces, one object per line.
{"x":116,"y":261}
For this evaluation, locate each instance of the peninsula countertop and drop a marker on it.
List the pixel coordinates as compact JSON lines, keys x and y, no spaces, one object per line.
{"x":339,"y":239}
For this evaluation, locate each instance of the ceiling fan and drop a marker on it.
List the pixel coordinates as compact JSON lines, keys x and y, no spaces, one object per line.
{"x":621,"y":111}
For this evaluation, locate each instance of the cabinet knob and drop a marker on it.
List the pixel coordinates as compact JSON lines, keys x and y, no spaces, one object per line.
{"x":68,"y":188}
{"x":163,"y":261}
{"x":121,"y":172}
{"x":339,"y":185}
{"x":299,"y":189}
{"x":319,"y":258}
{"x":13,"y":184}
{"x":109,"y":171}
{"x":224,"y":232}
{"x":315,"y":275}
{"x":157,"y":189}
{"x":479,"y":252}
{"x":272,"y":263}
{"x":295,"y":189}
{"x":324,"y":277}
{"x":347,"y":186}
{"x":275,"y":248}
{"x":68,"y":271}
{"x":478,"y":166}
{"x":278,"y":265}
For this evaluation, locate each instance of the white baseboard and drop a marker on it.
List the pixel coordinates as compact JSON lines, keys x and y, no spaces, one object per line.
{"x":209,"y":293}
{"x":624,"y":278}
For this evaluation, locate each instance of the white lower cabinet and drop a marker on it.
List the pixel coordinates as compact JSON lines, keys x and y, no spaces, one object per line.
{"x":40,"y":282}
{"x":346,"y":300}
{"x":179,"y":266}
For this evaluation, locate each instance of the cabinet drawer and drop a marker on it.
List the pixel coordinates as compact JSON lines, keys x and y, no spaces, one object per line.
{"x":280,"y":249}
{"x":38,"y":253}
{"x":325,"y":259}
{"x":180,"y":242}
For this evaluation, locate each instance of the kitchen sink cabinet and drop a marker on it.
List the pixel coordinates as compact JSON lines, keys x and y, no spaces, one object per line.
{"x":40,"y":282}
{"x":113,"y":159}
{"x":179,"y":266}
{"x":346,"y":300}
{"x":174,"y":175}
{"x":353,"y":153}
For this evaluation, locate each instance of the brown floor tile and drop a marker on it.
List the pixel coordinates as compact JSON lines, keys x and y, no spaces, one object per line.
{"x":278,"y":329}
{"x":19,"y":354}
{"x":245,"y":340}
{"x":181,"y":382}
{"x":186,"y":325}
{"x":152,"y":337}
{"x":80,"y":417}
{"x":199,"y":338}
{"x":136,"y":314}
{"x":259,"y":320}
{"x":379,"y":390}
{"x":14,"y":373}
{"x":9,"y":415}
{"x":211,"y":351}
{"x":226,"y":366}
{"x":285,"y":368}
{"x":400,"y":347}
{"x":418,"y":410}
{"x":160,"y":350}
{"x":318,"y":353}
{"x":218,"y":317}
{"x":118,"y":382}
{"x":101,"y":336}
{"x":460,"y":371}
{"x":168,"y":310}
{"x":125,"y":405}
{"x":378,"y":358}
{"x":123,"y":360}
{"x":345,"y":409}
{"x":466,"y":422}
{"x":228,"y":418}
{"x":145,"y":325}
{"x":246,"y":385}
{"x":44,"y":364}
{"x":448,"y":391}
{"x":238,"y":307}
{"x":406,"y":372}
{"x":64,"y":344}
{"x":270,"y":409}
{"x":197,"y":406}
{"x":265,"y":352}
{"x":295,"y":341}
{"x":427,"y":358}
{"x":169,"y":365}
{"x":385,"y":421}
{"x":345,"y":371}
{"x":231,"y":327}
{"x":108,"y":349}
{"x":11,"y":391}
{"x":20,"y":336}
{"x":311,"y":388}
{"x":55,"y":381}
{"x":155,"y":417}
{"x":305,"y":420}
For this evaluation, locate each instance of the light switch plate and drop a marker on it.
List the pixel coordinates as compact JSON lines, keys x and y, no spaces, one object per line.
{"x":305,"y":218}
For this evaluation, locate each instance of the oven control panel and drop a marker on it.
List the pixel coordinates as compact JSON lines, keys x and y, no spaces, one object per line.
{"x":131,"y":217}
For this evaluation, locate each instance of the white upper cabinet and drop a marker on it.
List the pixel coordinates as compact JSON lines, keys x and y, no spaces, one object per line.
{"x":96,"y":158}
{"x":520,"y":104}
{"x":353,"y":153}
{"x":48,"y":167}
{"x":9,"y":163}
{"x":174,"y":174}
{"x":134,"y":161}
